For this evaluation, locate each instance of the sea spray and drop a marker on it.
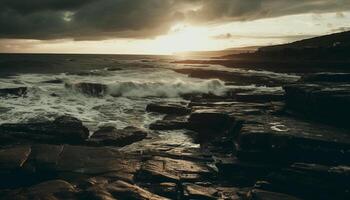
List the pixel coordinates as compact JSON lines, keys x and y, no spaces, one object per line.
{"x":165,"y":89}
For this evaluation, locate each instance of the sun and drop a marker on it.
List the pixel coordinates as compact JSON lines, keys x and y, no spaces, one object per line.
{"x":181,"y":38}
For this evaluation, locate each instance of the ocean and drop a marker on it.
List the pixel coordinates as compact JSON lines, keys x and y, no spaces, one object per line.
{"x":132,"y":82}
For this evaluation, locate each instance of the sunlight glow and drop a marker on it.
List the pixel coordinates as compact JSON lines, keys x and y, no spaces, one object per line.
{"x":182,"y":37}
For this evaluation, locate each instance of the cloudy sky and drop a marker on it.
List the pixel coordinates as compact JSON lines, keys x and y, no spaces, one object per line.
{"x":163,"y":26}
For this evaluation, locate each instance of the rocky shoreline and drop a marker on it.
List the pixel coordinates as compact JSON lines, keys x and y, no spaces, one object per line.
{"x":291,"y":144}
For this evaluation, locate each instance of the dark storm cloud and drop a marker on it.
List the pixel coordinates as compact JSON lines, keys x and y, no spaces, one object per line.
{"x":230,"y":10}
{"x":101,"y":19}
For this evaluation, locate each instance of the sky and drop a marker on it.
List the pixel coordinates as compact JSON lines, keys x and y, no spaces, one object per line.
{"x":163,"y":26}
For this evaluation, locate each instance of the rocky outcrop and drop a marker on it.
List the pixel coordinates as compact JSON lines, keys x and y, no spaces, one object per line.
{"x":256,"y":194}
{"x":106,"y":136}
{"x":14,"y":158}
{"x":90,"y":89}
{"x":15,"y":91}
{"x":286,"y":139}
{"x":326,"y":77}
{"x":328,"y":103}
{"x":209,"y":121}
{"x":64,"y":129}
{"x":54,"y":189}
{"x":170,"y":109}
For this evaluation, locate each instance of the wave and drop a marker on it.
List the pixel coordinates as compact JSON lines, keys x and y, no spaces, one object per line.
{"x":165,"y":88}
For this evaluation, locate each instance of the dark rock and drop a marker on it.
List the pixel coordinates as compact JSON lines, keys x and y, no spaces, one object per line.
{"x":62,"y":129}
{"x":193,"y":191}
{"x":170,"y":109}
{"x":256,"y":194}
{"x":124,"y":190}
{"x":114,"y":69}
{"x":114,"y":137}
{"x":50,"y":190}
{"x":287,"y":139}
{"x":54,"y":81}
{"x":13,"y":158}
{"x":94,"y":161}
{"x":46,"y":156}
{"x":169,"y":123}
{"x":327,"y":102}
{"x":326,"y":77}
{"x":91,"y":89}
{"x":166,"y":189}
{"x":259,"y":97}
{"x":311,"y":181}
{"x":210,"y":121}
{"x":18,"y":91}
{"x":162,"y":169}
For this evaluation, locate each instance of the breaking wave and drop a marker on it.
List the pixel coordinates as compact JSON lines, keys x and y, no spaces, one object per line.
{"x":165,"y":88}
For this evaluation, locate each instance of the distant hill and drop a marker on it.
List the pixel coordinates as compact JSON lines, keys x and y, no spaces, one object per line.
{"x":327,"y":41}
{"x":333,"y":47}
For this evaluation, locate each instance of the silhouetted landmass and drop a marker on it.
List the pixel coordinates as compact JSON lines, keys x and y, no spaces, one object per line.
{"x":324,"y":53}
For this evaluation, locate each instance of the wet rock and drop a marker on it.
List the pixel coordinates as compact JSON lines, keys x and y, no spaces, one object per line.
{"x":311,"y":181}
{"x":169,"y":123}
{"x":243,"y":173}
{"x":259,"y":97}
{"x":16,"y":91}
{"x":113,"y":69}
{"x":13,"y":158}
{"x":166,"y":189}
{"x":46,"y":156}
{"x":162,"y":169}
{"x":170,"y":109}
{"x":114,"y":137}
{"x":50,"y":190}
{"x":325,"y":102}
{"x":210,"y":121}
{"x":54,"y":81}
{"x":287,"y":139}
{"x":63,"y":129}
{"x":256,"y":194}
{"x":90,"y":89}
{"x":118,"y":190}
{"x":193,"y":191}
{"x":326,"y":77}
{"x":95,"y":161}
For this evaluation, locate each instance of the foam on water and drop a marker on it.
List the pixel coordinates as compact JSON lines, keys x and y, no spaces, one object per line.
{"x":129,"y":92}
{"x":166,"y":89}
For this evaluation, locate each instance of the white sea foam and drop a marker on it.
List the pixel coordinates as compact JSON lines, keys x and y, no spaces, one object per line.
{"x":166,"y":88}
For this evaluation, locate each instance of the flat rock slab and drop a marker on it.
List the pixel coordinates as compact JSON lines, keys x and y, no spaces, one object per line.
{"x":266,"y":195}
{"x":193,"y":191}
{"x":110,"y":136}
{"x":64,"y":129}
{"x":54,"y":189}
{"x":162,"y":169}
{"x":94,"y":160}
{"x":310,"y":181}
{"x":326,"y":102}
{"x":14,"y":158}
{"x":264,"y":137}
{"x":327,"y":77}
{"x":118,"y":190}
{"x":170,"y":109}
